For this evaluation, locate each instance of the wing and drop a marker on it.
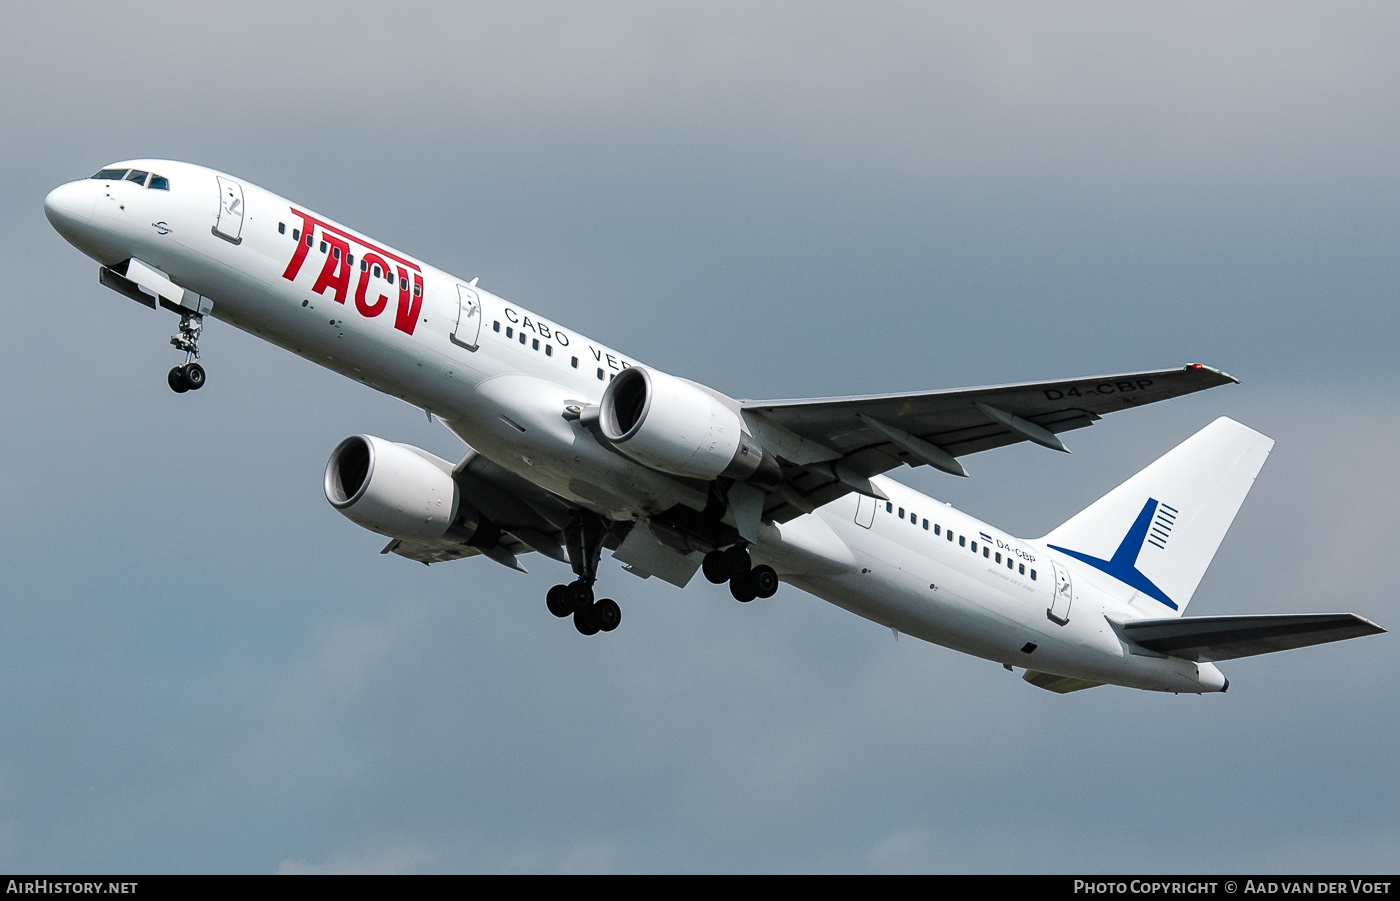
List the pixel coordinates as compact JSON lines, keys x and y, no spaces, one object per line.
{"x":834,"y":444}
{"x":527,"y":517}
{"x":1202,"y":638}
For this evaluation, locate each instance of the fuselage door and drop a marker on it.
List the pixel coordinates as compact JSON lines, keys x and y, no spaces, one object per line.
{"x":468,"y":318}
{"x":230,"y":222}
{"x":1064,"y":596}
{"x":865,"y":511}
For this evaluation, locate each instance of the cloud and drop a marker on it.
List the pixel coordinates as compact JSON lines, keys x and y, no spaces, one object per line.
{"x":375,"y":861}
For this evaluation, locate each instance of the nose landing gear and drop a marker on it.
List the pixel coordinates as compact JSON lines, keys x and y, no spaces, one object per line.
{"x":190,"y":376}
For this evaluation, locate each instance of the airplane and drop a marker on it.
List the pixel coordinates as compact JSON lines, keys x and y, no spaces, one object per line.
{"x":575,"y":448}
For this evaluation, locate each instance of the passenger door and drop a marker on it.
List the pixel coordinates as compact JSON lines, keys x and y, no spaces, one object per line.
{"x":229,"y":225}
{"x":468,"y":328}
{"x":865,"y":511}
{"x":1064,"y":595}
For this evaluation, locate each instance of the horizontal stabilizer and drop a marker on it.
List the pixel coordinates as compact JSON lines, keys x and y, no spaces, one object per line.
{"x":1213,"y":638}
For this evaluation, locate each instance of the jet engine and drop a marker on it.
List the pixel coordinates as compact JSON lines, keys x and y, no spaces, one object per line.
{"x":398,"y":490}
{"x":679,"y":428}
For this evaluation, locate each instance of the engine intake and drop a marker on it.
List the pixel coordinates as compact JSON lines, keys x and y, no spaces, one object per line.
{"x":397,"y":490}
{"x":675,"y":426}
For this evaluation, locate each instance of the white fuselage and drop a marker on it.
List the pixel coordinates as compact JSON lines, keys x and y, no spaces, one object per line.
{"x":501,"y":384}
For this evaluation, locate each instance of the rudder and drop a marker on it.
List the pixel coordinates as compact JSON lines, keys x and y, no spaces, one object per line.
{"x":1157,"y":532}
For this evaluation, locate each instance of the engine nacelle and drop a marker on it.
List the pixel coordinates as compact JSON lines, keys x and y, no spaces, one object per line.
{"x":397,"y":490}
{"x":677,"y":427}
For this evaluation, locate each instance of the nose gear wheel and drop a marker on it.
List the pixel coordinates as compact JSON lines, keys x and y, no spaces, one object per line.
{"x":190,"y":376}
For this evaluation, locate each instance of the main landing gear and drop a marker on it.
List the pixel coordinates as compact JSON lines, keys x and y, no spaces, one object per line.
{"x":583,"y":537}
{"x":190,"y":376}
{"x":746,"y":581}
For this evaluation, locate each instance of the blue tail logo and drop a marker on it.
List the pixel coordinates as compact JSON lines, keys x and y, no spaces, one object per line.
{"x":1123,"y":565}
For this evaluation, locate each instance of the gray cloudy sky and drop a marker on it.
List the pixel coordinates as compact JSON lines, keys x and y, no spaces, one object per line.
{"x":204,"y":667}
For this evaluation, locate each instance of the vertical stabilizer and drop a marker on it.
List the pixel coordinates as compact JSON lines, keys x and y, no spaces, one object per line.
{"x":1157,"y":532}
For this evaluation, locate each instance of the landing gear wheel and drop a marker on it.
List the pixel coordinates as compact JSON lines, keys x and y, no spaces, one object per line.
{"x":607,"y":614}
{"x":742,"y":588}
{"x":176,"y":380}
{"x":739,"y":563}
{"x":586,"y":621}
{"x":715,"y":566}
{"x":559,"y":602}
{"x":764,"y":581}
{"x":194,"y":376}
{"x":581,"y":594}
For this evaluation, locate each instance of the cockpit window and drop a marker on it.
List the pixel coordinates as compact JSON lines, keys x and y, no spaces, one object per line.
{"x":111,"y":174}
{"x":138,"y":176}
{"x":159,"y":183}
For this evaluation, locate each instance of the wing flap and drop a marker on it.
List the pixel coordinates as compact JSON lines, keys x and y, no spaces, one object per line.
{"x":1215,"y":638}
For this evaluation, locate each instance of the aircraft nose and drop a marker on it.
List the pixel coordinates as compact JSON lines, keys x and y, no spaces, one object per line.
{"x":69,"y":207}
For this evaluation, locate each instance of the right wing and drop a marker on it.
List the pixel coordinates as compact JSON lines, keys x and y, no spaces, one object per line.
{"x":836,"y":443}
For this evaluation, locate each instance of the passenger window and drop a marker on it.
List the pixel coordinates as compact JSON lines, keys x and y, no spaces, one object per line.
{"x":496,"y":326}
{"x":376,"y":275}
{"x":573,"y":362}
{"x":1009,"y":564}
{"x":974,"y":547}
{"x":308,"y":239}
{"x":159,"y":183}
{"x":889,"y":507}
{"x":535,"y":343}
{"x":403,"y":283}
{"x":937,"y":529}
{"x":323,"y":246}
{"x":901,"y":512}
{"x":926,"y":525}
{"x":111,"y":174}
{"x":296,"y":234}
{"x":364,"y":265}
{"x":138,"y":176}
{"x":1032,"y":575}
{"x":417,"y":290}
{"x":998,"y":558}
{"x":549,"y":350}
{"x":335,"y":253}
{"x":962,"y":539}
{"x":522,"y":337}
{"x":986,"y":551}
{"x":600,"y":375}
{"x":281,"y":228}
{"x":1023,"y":569}
{"x":510,"y":332}
{"x":350,"y":259}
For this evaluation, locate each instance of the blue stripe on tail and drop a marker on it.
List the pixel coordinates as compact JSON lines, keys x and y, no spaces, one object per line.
{"x":1123,"y":566}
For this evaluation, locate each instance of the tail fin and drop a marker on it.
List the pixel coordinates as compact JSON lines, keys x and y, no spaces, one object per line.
{"x":1157,"y":532}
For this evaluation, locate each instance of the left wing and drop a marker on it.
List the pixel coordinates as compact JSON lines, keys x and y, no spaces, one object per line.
{"x":835,"y":444}
{"x":529,"y":518}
